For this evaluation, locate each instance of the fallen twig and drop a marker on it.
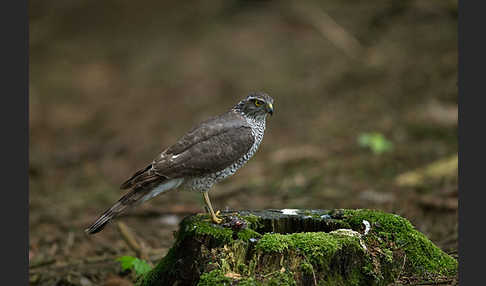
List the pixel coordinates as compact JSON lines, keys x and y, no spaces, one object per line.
{"x":129,"y":237}
{"x":42,"y":263}
{"x":69,"y":242}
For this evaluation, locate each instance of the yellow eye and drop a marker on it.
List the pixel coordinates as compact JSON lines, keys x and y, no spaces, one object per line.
{"x":258,"y":102}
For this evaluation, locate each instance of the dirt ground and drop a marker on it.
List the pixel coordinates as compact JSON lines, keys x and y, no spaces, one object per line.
{"x":113,"y":83}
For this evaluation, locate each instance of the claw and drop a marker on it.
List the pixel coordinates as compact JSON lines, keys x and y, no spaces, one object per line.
{"x":214,"y":216}
{"x":217,"y":220}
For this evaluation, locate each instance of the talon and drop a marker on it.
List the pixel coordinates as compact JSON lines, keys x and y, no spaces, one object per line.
{"x":217,"y":220}
{"x":214,"y":216}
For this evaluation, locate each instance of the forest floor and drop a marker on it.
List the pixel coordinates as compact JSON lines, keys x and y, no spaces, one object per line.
{"x":109,"y":91}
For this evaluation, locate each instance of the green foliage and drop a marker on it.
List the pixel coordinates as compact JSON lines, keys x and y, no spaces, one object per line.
{"x":375,"y":141}
{"x":133,"y":263}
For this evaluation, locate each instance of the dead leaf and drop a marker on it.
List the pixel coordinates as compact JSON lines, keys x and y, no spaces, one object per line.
{"x":233,"y":275}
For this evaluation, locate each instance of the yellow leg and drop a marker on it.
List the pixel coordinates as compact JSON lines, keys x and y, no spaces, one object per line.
{"x":213,"y":215}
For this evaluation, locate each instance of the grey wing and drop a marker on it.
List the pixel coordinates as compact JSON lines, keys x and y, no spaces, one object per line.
{"x":211,"y":154}
{"x":206,"y":130}
{"x":209,"y":147}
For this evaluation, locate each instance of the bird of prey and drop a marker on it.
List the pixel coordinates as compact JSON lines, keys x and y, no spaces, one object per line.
{"x":207,"y":154}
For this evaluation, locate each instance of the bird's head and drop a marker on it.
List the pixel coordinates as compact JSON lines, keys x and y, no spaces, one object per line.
{"x":256,"y":105}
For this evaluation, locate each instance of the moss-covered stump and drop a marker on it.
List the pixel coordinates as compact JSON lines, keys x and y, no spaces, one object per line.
{"x":300,"y":247}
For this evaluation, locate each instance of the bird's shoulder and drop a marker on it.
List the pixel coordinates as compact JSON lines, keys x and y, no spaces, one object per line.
{"x":209,"y":147}
{"x":211,"y":127}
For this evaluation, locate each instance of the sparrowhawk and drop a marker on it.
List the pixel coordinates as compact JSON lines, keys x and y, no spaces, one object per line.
{"x":207,"y":154}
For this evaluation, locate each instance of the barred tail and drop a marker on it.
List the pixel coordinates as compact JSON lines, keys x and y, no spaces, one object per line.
{"x":132,"y":198}
{"x":127,"y":200}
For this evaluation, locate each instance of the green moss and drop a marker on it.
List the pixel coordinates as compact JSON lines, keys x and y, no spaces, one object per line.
{"x":241,"y":268}
{"x":312,"y":214}
{"x":422,"y":255}
{"x":317,"y":247}
{"x":247,"y":233}
{"x":202,"y":225}
{"x":286,"y":278}
{"x":254,"y":222}
{"x":217,"y":278}
{"x":311,"y":253}
{"x":306,"y":268}
{"x":388,"y":255}
{"x":214,"y":278}
{"x":368,"y":269}
{"x":249,"y":282}
{"x":354,"y":279}
{"x":274,"y":242}
{"x":160,"y":269}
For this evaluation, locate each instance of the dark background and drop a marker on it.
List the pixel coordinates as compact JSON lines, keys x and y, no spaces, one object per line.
{"x":113,"y":83}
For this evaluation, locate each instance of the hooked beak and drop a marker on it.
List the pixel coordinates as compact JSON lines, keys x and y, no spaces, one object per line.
{"x":270,"y":108}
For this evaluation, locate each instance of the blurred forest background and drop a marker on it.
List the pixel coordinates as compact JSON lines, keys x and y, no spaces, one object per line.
{"x":365,"y":115}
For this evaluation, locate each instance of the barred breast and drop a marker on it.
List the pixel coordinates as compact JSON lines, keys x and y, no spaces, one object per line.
{"x":203,"y":184}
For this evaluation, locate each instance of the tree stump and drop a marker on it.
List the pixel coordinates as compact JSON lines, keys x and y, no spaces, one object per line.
{"x":300,"y":247}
